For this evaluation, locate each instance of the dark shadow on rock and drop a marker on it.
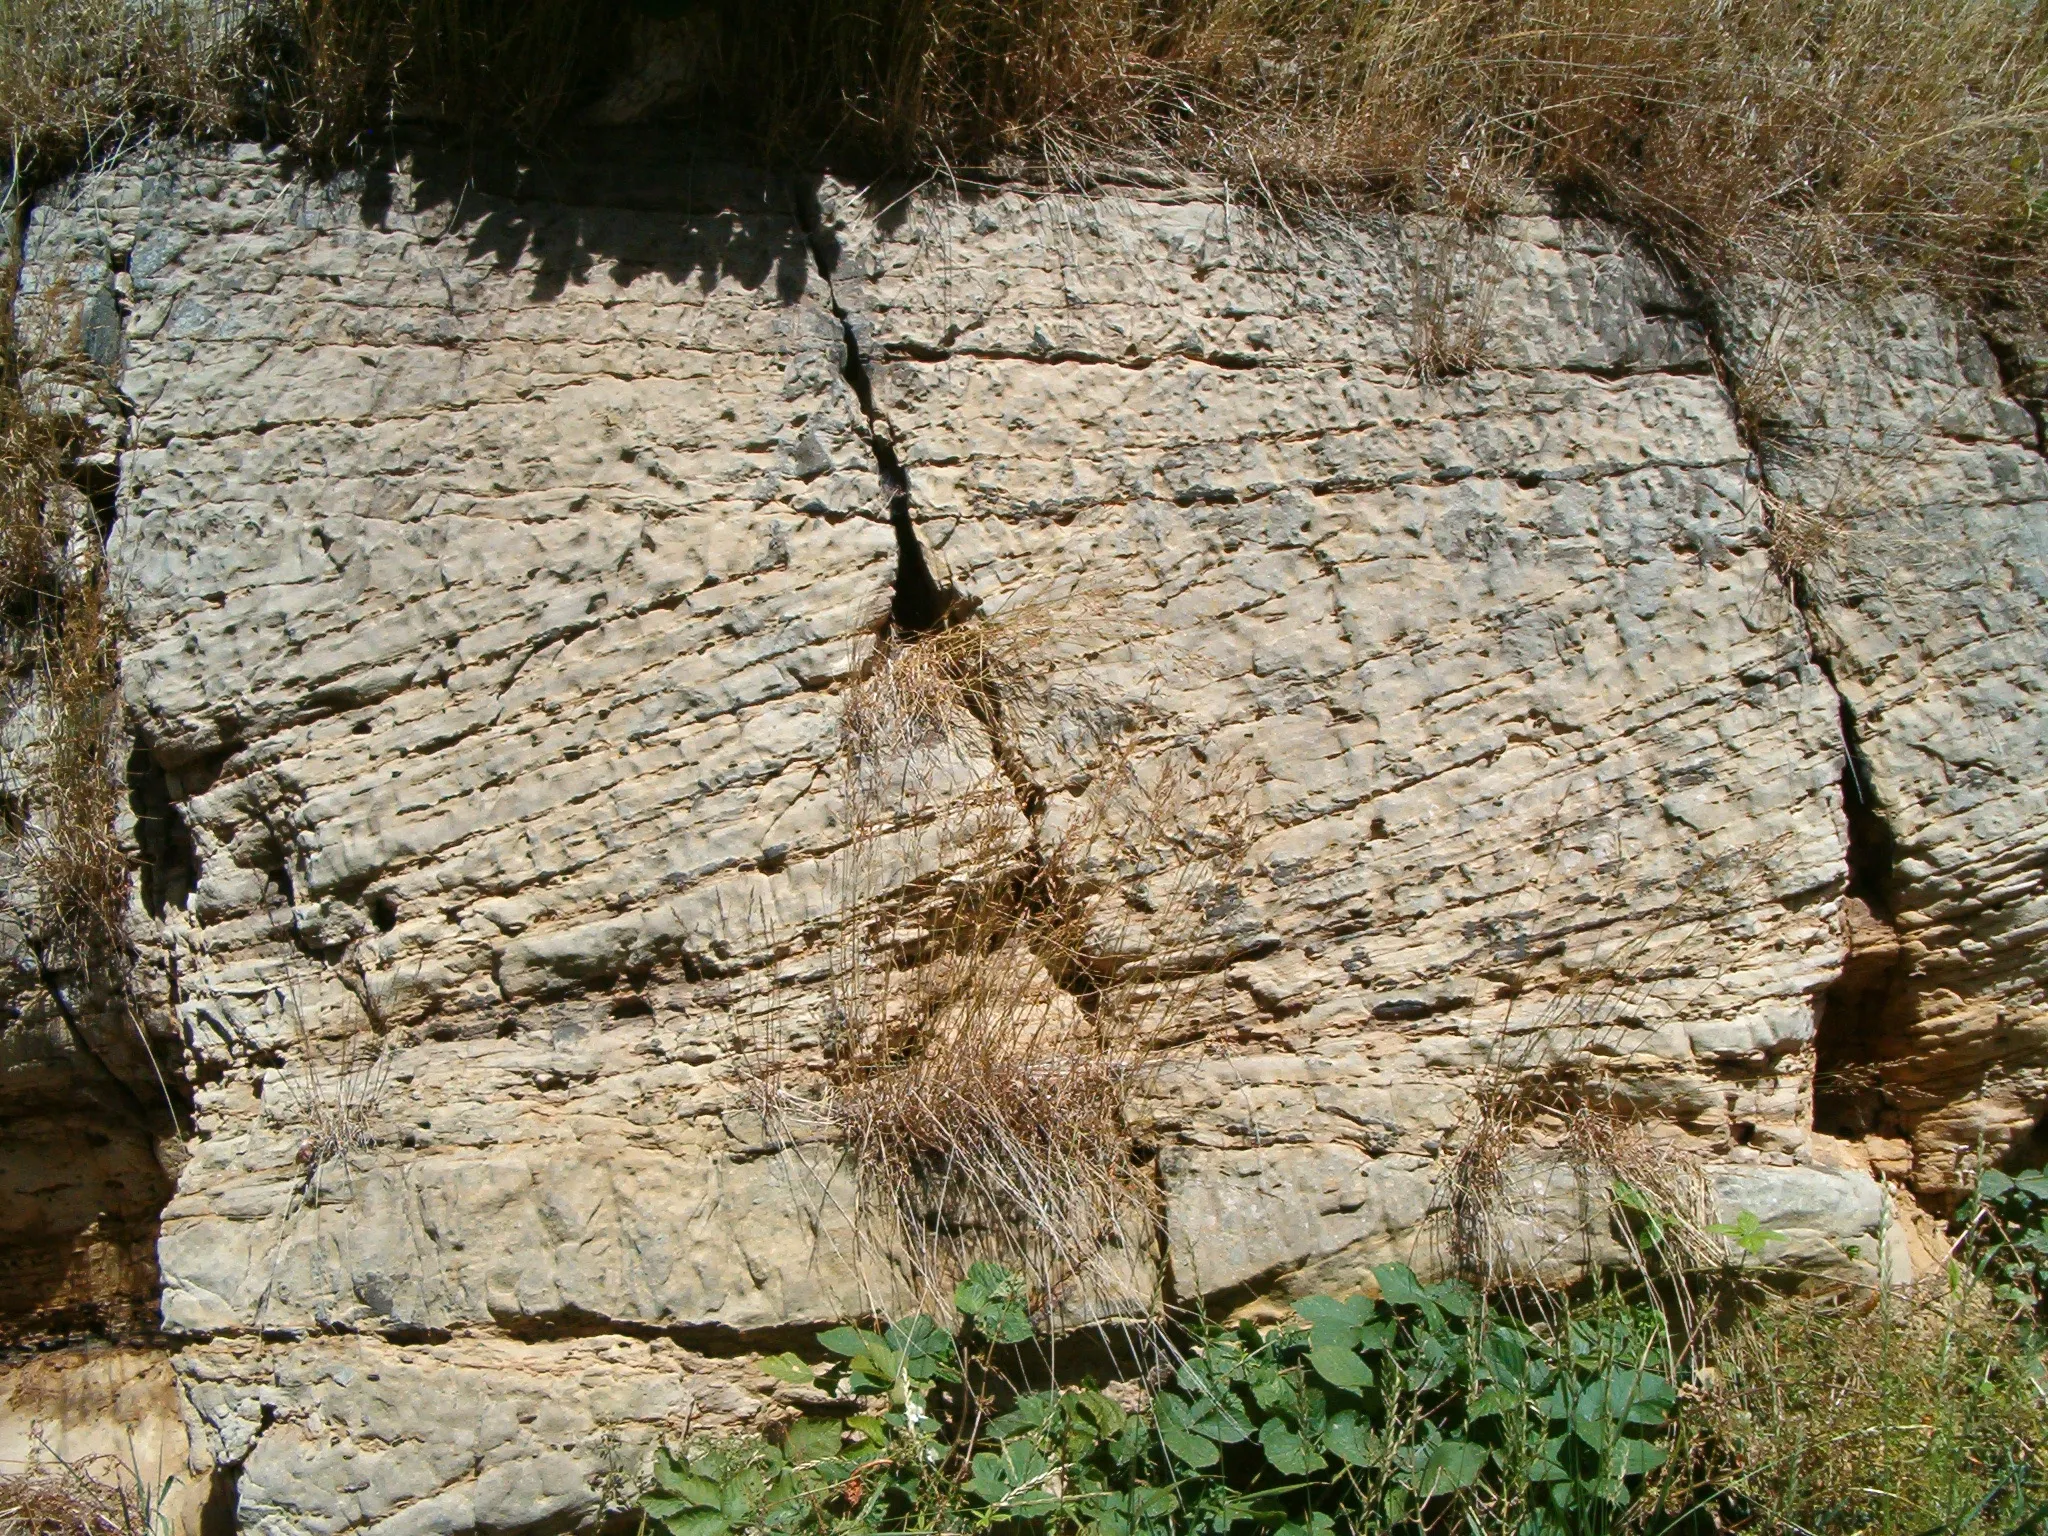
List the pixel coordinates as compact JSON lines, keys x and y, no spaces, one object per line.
{"x":587,"y":205}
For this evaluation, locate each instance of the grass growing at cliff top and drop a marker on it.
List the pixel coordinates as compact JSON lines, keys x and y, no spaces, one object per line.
{"x":1852,"y":138}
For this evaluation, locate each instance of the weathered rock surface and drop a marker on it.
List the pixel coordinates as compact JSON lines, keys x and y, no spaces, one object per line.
{"x":495,"y":551}
{"x":1926,"y":586}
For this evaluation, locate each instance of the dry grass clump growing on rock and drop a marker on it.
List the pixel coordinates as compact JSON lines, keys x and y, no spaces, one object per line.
{"x":60,"y":727}
{"x":71,"y":856}
{"x":996,"y":996}
{"x":32,"y":508}
{"x":79,"y":75}
{"x":338,"y":71}
{"x":1827,"y":140}
{"x":97,"y":1496}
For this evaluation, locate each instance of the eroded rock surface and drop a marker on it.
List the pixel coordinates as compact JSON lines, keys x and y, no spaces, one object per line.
{"x":497,"y":548}
{"x":1919,"y":489}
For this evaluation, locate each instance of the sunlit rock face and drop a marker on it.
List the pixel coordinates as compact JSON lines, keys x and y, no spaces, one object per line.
{"x":499,"y":550}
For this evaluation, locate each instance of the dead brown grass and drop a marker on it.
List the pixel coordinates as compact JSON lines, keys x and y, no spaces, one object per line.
{"x":102,"y":1495}
{"x":33,"y":505}
{"x":997,"y":998}
{"x":1866,"y":138}
{"x":78,"y":76}
{"x":67,"y":875}
{"x":73,"y":858}
{"x":337,"y":72}
{"x":1835,"y":140}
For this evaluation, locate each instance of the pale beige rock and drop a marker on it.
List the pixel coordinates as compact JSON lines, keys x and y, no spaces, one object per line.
{"x":113,"y":1414}
{"x":1921,"y":488}
{"x":497,"y":553}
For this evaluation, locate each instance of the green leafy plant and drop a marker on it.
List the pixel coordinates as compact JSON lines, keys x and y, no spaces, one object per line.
{"x":1413,"y":1410}
{"x":2007,"y":1226}
{"x":1747,"y":1233}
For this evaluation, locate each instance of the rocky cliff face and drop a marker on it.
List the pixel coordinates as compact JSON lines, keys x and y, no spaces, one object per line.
{"x":498,"y":551}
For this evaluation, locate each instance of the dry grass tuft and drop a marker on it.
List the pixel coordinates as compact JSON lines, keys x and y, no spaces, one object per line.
{"x":1808,"y":548}
{"x":997,"y":995}
{"x":78,"y":77}
{"x":1455,"y":274}
{"x":1828,"y":141}
{"x":338,"y":72}
{"x":72,"y":857}
{"x":1568,"y":1161}
{"x":1867,"y":138}
{"x":32,"y":509}
{"x":102,"y":1495}
{"x":61,"y":744}
{"x":334,"y":1090}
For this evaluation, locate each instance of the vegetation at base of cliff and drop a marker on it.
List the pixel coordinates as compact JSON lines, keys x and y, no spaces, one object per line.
{"x":1422,"y":1408}
{"x":1850,"y":139}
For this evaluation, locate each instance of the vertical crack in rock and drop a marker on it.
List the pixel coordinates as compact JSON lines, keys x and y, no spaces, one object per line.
{"x":168,"y":859}
{"x":1849,"y":1096}
{"x":2024,"y":379}
{"x":919,"y":604}
{"x":218,"y":1515}
{"x":1854,"y":1011}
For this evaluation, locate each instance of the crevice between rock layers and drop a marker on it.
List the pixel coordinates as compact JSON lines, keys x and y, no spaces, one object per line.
{"x":918,"y":604}
{"x":1852,"y":1012}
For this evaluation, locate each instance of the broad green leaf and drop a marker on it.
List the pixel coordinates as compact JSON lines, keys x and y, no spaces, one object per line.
{"x":1340,"y":1367}
{"x":1350,"y":1312}
{"x":1548,"y":1465}
{"x":1749,"y":1234}
{"x":1107,"y":1413}
{"x":1276,"y":1391}
{"x":1288,"y":1453}
{"x":789,"y":1367}
{"x":739,"y":1495}
{"x":1636,"y":1397}
{"x":984,"y":1284}
{"x":1507,"y":1402}
{"x":698,"y":1492}
{"x":1187,"y":1447}
{"x":1632,"y":1458}
{"x":1224,"y":1422}
{"x":698,"y":1522}
{"x":1213,"y":1418}
{"x":1030,"y":1498}
{"x":1028,"y":1413}
{"x":1449,"y":1466}
{"x":848,"y":1341}
{"x":1455,"y":1297}
{"x":998,"y":1475}
{"x":1398,"y":1285}
{"x":922,"y":1348}
{"x":1347,"y":1438}
{"x":1506,"y":1352}
{"x":813,"y":1439}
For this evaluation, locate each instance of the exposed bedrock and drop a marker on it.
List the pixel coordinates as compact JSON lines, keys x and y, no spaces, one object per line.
{"x":496,"y":547}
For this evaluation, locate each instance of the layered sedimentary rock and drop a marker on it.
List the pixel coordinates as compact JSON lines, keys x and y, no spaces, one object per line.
{"x":497,"y":550}
{"x":1915,"y":489}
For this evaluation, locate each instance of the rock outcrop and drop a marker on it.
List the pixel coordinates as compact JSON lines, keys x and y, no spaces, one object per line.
{"x":496,"y":551}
